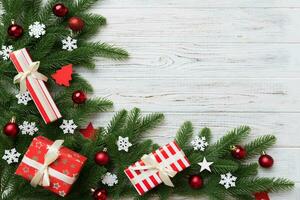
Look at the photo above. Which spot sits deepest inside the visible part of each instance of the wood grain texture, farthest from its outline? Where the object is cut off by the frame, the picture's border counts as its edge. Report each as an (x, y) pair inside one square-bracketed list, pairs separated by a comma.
[(217, 63), (222, 25), (199, 4)]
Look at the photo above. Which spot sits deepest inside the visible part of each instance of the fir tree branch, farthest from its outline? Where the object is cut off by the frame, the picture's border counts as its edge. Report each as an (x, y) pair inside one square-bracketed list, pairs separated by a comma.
[(184, 134), (259, 145)]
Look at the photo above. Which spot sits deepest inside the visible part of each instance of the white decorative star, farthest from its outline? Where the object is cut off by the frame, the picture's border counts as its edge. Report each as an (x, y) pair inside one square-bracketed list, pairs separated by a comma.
[(205, 165)]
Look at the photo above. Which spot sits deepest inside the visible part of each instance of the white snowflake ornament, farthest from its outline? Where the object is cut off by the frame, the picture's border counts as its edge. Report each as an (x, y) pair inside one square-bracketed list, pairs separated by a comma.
[(109, 179), (228, 180), (199, 143), (5, 51), (68, 126), (69, 44), (11, 156), (23, 98), (37, 29), (123, 144), (28, 128)]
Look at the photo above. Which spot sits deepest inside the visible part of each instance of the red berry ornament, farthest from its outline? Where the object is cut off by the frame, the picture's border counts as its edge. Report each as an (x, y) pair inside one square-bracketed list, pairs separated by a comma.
[(60, 10), (266, 161), (100, 194), (238, 152), (195, 181), (15, 31), (79, 97), (11, 129), (102, 158), (76, 23)]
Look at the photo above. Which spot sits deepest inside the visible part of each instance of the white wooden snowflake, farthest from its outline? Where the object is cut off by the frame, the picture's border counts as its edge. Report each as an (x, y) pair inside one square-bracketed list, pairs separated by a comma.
[(68, 126), (199, 143), (228, 180), (62, 193), (69, 44), (23, 98), (37, 29), (11, 156), (123, 144), (28, 128), (109, 179), (5, 51)]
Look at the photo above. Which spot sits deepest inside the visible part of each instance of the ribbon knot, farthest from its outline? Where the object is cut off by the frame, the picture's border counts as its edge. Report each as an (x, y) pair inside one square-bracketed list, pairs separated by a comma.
[(42, 176), (163, 172), (32, 71)]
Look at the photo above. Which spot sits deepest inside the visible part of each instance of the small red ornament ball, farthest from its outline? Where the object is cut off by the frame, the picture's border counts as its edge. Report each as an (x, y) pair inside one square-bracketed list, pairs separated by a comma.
[(195, 181), (11, 129), (60, 10), (76, 23), (266, 161), (15, 31), (102, 158), (262, 196), (100, 194), (238, 152), (79, 97)]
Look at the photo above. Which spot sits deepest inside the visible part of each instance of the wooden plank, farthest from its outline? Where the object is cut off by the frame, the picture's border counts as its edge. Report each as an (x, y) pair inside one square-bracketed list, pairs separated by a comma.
[(197, 3), (242, 25), (196, 60), (283, 125), (290, 195), (200, 95)]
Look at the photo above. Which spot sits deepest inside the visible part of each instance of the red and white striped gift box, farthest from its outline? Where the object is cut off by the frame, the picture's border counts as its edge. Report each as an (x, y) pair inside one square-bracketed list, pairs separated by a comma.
[(36, 88), (169, 156)]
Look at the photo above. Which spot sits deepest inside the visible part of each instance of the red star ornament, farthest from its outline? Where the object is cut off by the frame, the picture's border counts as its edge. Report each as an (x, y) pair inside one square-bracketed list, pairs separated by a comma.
[(89, 132), (63, 76), (262, 196)]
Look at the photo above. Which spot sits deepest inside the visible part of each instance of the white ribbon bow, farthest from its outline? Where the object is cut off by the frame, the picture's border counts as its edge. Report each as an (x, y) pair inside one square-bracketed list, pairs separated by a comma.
[(42, 176), (31, 71), (163, 172)]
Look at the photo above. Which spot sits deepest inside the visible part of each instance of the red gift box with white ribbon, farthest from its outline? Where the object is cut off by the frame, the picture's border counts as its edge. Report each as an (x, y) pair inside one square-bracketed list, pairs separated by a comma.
[(50, 165), (33, 81), (157, 167)]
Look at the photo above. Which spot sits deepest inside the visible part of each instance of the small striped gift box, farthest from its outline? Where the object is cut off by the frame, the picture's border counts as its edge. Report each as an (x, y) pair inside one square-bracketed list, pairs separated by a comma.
[(169, 156)]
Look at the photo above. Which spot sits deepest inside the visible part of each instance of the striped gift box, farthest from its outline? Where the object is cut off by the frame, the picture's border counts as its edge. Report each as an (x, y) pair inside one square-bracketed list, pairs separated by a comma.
[(169, 156), (36, 88)]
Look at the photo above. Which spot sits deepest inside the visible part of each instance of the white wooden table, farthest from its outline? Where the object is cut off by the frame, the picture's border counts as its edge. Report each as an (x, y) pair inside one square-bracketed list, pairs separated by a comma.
[(217, 63)]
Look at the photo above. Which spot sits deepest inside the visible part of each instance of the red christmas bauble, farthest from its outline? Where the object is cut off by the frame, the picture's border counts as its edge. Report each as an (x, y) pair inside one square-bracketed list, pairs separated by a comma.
[(79, 97), (195, 181), (76, 23), (11, 129), (102, 158), (15, 31), (60, 10), (266, 161), (262, 196), (100, 194), (238, 152)]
